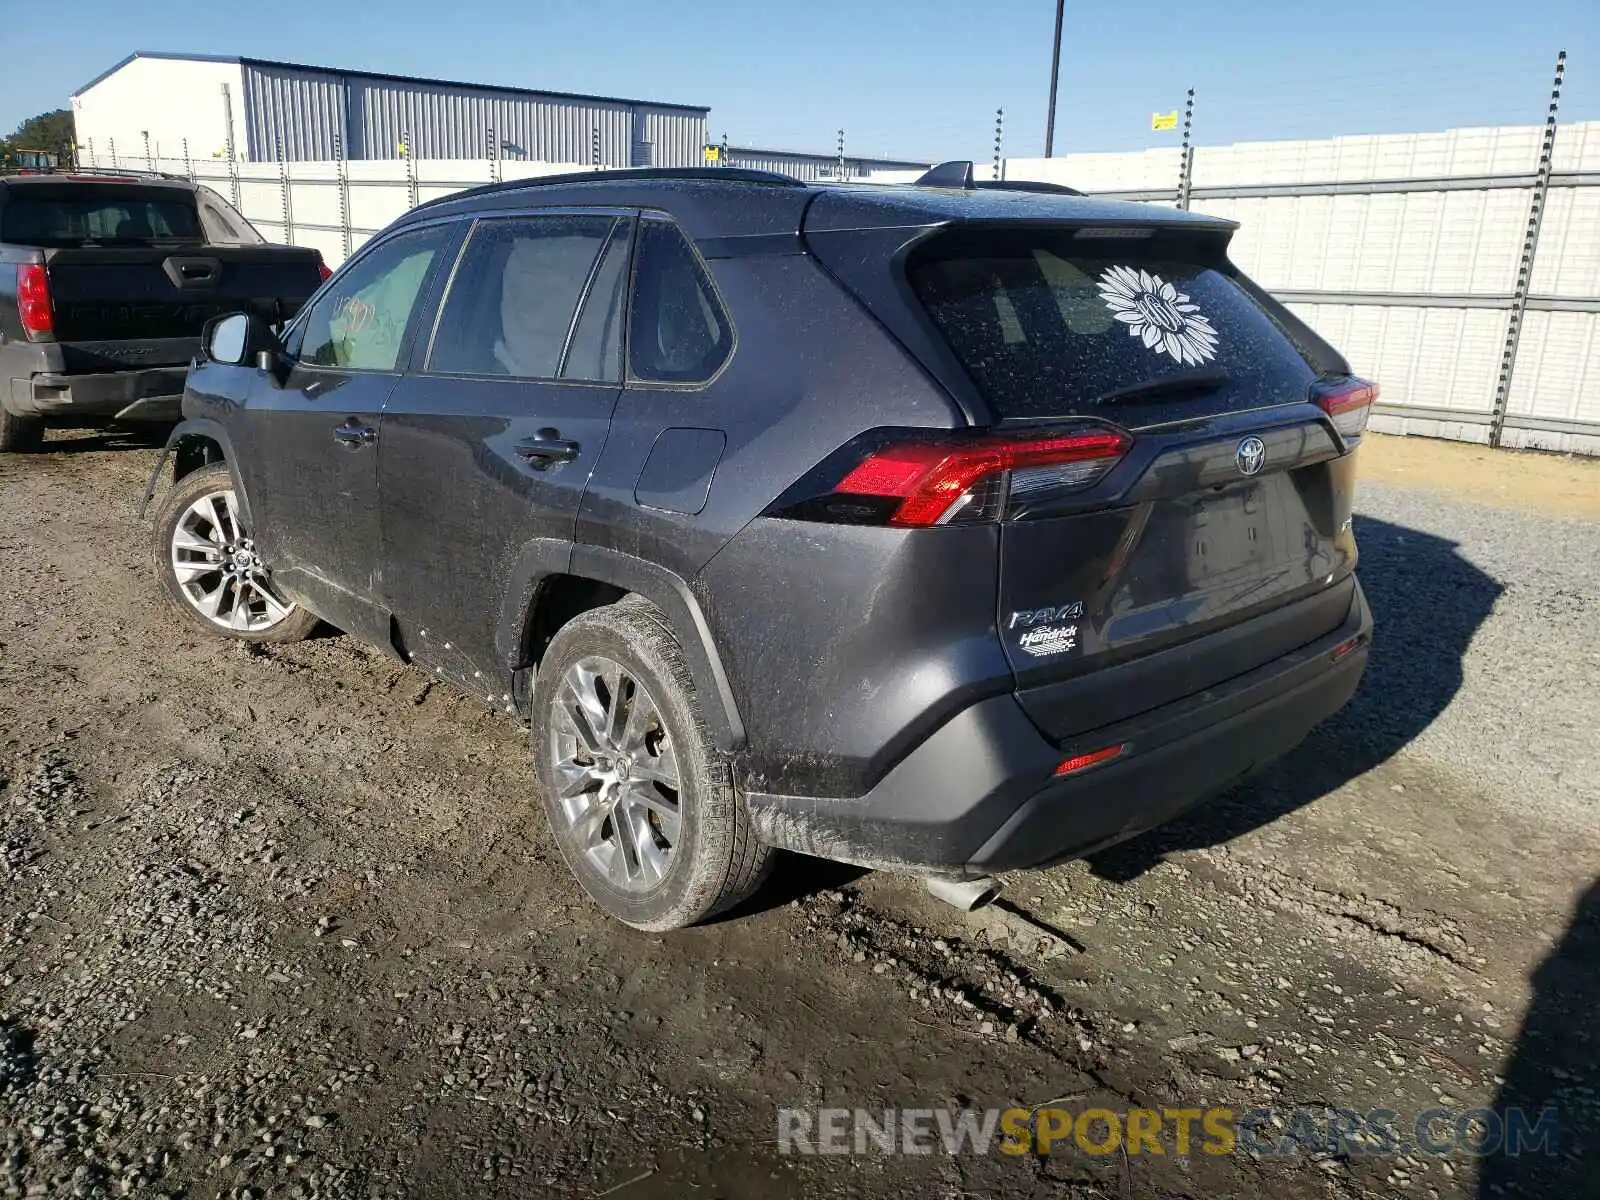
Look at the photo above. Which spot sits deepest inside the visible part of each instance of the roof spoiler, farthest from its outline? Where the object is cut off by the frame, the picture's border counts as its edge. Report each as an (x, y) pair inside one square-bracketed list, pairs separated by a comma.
[(957, 173)]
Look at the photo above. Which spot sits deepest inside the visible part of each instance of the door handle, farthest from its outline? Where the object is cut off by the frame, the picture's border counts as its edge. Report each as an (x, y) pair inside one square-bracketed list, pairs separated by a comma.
[(353, 435), (546, 448)]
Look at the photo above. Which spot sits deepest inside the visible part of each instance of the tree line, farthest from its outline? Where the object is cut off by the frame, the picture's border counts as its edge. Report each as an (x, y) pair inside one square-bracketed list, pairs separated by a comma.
[(49, 133)]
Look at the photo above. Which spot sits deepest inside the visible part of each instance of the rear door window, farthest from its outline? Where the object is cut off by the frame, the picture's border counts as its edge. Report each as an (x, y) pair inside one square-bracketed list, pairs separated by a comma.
[(1048, 324), (516, 290), (678, 332)]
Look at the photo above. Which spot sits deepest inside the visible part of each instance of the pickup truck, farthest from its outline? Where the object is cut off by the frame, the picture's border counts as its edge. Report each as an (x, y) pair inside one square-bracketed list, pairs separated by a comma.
[(106, 282)]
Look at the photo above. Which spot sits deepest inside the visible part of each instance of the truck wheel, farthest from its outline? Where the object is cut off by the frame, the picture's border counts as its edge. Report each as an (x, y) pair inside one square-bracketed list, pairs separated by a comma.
[(19, 433), (209, 568), (641, 804)]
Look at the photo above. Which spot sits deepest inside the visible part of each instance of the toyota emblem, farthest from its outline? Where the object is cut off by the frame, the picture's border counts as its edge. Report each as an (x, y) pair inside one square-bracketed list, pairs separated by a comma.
[(1251, 456)]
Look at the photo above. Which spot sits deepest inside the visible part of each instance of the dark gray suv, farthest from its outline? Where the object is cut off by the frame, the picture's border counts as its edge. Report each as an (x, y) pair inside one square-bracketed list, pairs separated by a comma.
[(941, 529)]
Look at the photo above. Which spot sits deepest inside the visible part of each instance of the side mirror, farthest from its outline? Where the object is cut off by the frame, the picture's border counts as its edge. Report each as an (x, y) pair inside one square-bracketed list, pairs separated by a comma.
[(240, 338)]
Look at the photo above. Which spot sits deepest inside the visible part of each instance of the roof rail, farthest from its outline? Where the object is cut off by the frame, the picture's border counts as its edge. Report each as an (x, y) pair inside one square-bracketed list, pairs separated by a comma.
[(622, 174)]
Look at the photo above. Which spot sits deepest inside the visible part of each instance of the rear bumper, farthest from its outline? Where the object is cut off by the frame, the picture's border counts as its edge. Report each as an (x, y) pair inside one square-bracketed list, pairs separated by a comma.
[(978, 795), (151, 394)]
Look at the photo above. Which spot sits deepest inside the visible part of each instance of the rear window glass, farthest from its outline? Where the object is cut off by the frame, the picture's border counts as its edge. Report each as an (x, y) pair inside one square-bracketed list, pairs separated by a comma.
[(98, 219), (1051, 325)]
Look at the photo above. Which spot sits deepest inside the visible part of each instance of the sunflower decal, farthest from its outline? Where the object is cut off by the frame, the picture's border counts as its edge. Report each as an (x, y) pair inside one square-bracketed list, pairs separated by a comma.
[(1159, 314)]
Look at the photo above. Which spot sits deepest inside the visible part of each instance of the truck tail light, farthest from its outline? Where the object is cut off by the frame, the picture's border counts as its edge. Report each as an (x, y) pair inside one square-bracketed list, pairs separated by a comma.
[(1348, 403), (324, 272), (33, 299)]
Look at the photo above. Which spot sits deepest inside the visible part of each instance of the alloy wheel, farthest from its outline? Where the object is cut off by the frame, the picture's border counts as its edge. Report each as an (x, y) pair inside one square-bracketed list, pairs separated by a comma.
[(616, 774), (218, 569)]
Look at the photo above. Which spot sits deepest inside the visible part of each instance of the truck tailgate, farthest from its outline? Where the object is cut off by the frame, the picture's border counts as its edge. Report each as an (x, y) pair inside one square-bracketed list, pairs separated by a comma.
[(153, 292)]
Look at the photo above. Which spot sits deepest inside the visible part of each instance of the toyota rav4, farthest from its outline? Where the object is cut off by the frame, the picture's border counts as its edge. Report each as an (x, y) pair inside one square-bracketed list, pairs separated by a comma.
[(946, 529)]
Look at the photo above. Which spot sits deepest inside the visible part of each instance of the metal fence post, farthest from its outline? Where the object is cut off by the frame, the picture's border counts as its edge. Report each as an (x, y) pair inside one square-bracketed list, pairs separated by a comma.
[(1186, 154), (112, 143), (228, 145), (283, 188), (345, 232), (494, 156), (188, 163), (594, 149), (841, 154), (88, 144), (411, 169), (149, 162), (1530, 250), (999, 140)]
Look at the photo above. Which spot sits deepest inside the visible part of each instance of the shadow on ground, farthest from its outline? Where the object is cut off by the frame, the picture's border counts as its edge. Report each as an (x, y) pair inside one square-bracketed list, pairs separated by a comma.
[(1554, 1068), (794, 877), (116, 437), (1427, 603)]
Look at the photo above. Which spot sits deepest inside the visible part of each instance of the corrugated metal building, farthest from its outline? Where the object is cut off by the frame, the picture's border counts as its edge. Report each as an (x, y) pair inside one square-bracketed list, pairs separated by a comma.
[(265, 111), (804, 165)]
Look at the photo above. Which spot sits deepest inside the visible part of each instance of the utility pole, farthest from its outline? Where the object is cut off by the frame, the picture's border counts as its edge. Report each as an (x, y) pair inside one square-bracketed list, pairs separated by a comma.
[(1055, 76)]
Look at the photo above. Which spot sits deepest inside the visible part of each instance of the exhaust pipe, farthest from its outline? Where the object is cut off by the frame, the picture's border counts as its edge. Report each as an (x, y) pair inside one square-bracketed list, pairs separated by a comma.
[(968, 895)]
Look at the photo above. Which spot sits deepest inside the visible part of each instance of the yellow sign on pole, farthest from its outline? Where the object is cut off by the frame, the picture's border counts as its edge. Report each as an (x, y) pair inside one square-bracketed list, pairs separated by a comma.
[(1161, 122), (713, 154)]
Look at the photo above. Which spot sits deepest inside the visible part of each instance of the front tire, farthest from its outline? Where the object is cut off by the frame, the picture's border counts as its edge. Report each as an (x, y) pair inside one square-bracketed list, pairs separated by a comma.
[(209, 568), (19, 433), (642, 806)]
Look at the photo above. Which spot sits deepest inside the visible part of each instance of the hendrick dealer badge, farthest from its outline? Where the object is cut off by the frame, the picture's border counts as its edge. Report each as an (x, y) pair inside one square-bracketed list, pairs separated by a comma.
[(1044, 640)]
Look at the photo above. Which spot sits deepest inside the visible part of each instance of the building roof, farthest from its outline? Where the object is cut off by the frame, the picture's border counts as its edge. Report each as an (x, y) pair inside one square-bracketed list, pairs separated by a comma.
[(349, 73)]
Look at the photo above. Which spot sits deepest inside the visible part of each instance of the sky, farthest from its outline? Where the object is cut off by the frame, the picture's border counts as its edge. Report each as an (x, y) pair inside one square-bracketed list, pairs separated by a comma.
[(914, 80)]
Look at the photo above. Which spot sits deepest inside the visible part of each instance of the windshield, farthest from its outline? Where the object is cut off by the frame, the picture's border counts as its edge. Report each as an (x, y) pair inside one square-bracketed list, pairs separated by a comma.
[(1048, 324), (58, 218)]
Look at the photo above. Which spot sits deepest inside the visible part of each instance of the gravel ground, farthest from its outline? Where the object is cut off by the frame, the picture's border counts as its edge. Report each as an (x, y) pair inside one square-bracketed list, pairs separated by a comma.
[(286, 922)]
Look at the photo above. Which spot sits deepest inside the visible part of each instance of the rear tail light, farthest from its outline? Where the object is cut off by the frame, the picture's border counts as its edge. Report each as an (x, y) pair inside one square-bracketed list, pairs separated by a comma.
[(33, 299), (914, 484), (324, 272), (1348, 402)]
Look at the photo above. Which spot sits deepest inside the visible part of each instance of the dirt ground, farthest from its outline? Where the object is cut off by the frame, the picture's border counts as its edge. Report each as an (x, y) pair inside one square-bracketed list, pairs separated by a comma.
[(1568, 485), (287, 922)]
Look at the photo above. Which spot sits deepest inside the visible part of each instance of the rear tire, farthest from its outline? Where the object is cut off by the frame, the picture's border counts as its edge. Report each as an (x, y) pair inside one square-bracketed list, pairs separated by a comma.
[(655, 855), (208, 569), (19, 434)]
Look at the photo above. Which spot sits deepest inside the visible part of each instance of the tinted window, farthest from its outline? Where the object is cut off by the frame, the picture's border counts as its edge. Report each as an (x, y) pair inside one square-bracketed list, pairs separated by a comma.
[(596, 350), (94, 214), (224, 224), (678, 333), (361, 320), (1046, 324), (515, 291)]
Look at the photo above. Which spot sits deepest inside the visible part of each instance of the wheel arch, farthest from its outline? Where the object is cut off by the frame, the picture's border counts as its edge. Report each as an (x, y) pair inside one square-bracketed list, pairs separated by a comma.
[(554, 581), (193, 444)]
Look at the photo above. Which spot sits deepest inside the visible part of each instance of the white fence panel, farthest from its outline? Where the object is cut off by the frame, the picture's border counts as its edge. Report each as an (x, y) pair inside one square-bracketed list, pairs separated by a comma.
[(1403, 250)]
